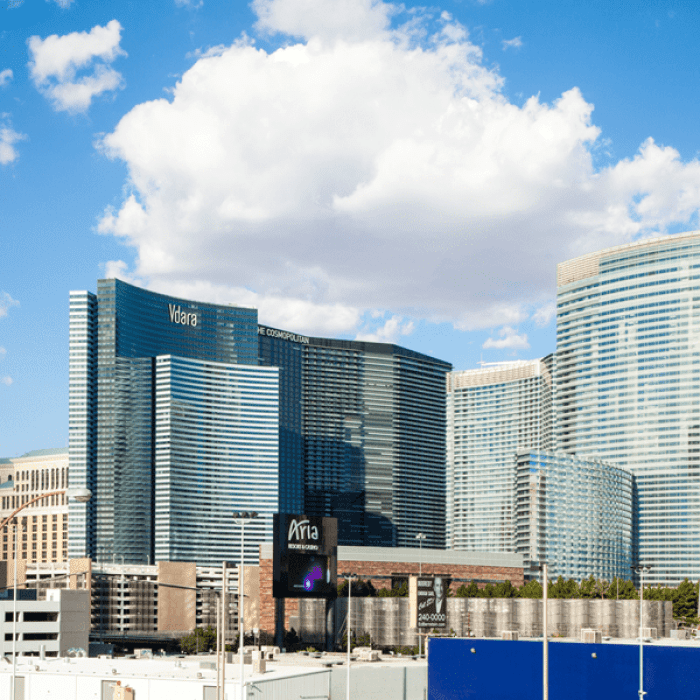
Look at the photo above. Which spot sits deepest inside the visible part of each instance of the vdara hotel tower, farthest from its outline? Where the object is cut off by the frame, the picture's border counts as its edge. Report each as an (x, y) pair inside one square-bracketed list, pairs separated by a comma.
[(172, 425), (628, 385), (182, 412)]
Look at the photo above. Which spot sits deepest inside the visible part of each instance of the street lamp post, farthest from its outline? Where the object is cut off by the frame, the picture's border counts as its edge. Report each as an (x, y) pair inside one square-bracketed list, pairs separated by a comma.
[(349, 577), (241, 517), (641, 569), (545, 633), (80, 495), (420, 537)]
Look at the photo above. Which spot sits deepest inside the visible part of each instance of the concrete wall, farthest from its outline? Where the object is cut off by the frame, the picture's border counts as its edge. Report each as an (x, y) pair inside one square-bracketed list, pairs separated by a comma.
[(378, 682), (177, 608), (387, 620)]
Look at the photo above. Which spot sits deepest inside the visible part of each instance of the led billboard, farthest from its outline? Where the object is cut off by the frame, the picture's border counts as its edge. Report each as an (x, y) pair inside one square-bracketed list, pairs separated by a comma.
[(305, 556)]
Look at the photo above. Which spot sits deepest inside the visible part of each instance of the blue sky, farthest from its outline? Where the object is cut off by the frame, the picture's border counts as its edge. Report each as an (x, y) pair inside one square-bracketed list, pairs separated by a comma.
[(352, 168)]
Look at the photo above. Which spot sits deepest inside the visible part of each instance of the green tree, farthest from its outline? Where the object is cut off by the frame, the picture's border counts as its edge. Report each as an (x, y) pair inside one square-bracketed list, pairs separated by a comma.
[(399, 590), (505, 589), (360, 589), (685, 601), (470, 591), (532, 589), (589, 588), (199, 641), (563, 589)]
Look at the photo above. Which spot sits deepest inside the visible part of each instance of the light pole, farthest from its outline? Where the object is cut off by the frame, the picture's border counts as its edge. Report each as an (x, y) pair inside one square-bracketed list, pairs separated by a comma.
[(420, 537), (641, 569), (80, 495), (545, 638), (241, 517), (349, 578)]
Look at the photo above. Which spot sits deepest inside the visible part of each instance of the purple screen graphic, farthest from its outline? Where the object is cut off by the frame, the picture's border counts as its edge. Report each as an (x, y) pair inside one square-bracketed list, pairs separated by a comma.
[(309, 579)]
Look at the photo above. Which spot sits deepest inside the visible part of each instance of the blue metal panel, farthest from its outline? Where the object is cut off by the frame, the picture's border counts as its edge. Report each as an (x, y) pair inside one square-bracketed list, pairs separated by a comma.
[(502, 670)]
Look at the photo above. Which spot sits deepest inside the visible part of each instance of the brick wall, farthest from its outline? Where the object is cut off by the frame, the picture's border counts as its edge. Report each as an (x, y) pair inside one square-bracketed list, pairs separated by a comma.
[(380, 573)]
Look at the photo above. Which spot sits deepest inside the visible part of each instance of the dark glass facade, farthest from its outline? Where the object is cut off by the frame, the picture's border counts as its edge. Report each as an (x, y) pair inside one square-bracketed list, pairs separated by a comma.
[(363, 426), (120, 332)]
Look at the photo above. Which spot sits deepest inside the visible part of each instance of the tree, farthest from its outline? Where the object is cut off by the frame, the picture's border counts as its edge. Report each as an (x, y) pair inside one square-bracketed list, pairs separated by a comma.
[(360, 589), (199, 641), (685, 602), (563, 589), (532, 589), (470, 591), (400, 590), (505, 589)]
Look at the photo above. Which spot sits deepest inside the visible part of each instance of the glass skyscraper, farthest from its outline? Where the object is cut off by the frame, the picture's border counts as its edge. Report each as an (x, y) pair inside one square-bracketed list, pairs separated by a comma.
[(116, 337), (363, 426), (573, 514), (628, 385), (492, 413), (216, 449)]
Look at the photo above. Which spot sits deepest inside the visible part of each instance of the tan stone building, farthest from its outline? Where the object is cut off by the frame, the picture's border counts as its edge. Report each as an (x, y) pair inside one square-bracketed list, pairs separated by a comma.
[(43, 533)]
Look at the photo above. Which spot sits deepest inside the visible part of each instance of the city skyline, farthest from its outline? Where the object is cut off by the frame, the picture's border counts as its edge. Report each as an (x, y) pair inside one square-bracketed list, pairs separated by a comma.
[(443, 161)]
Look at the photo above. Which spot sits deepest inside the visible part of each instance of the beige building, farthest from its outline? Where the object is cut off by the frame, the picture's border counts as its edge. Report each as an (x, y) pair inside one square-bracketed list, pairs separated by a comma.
[(43, 534)]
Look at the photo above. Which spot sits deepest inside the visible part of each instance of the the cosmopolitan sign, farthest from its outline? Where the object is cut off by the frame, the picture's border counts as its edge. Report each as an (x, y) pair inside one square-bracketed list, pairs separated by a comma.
[(284, 335), (304, 556), (185, 318)]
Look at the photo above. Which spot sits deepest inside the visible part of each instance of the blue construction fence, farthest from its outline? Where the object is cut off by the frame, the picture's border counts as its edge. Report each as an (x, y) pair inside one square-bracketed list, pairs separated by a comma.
[(493, 669)]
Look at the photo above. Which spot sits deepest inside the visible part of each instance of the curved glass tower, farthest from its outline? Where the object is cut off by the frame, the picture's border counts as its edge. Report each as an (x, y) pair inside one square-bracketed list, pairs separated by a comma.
[(116, 337), (574, 514), (627, 386)]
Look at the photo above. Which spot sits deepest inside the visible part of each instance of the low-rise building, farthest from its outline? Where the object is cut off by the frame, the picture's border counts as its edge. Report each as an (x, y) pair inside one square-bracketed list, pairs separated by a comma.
[(50, 626)]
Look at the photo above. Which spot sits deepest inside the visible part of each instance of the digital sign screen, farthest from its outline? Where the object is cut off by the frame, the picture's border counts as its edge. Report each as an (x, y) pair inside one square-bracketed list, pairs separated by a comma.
[(304, 556)]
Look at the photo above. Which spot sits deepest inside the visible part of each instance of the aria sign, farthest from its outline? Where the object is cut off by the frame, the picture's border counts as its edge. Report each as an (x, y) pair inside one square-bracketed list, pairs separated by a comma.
[(304, 556), (177, 315)]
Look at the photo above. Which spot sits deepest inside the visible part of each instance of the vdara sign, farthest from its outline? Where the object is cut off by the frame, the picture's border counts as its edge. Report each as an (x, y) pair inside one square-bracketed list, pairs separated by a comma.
[(177, 315), (284, 335)]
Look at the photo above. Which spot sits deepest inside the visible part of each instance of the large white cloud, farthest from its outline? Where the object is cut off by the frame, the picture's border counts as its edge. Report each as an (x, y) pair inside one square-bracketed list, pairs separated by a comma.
[(57, 60), (371, 166)]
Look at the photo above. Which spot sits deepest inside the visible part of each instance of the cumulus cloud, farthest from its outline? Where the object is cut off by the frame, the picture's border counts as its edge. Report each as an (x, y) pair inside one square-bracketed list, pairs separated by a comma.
[(8, 153), (390, 332), (64, 4), (514, 43), (508, 340), (374, 163), (5, 77), (544, 315), (6, 303), (6, 380), (71, 70)]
